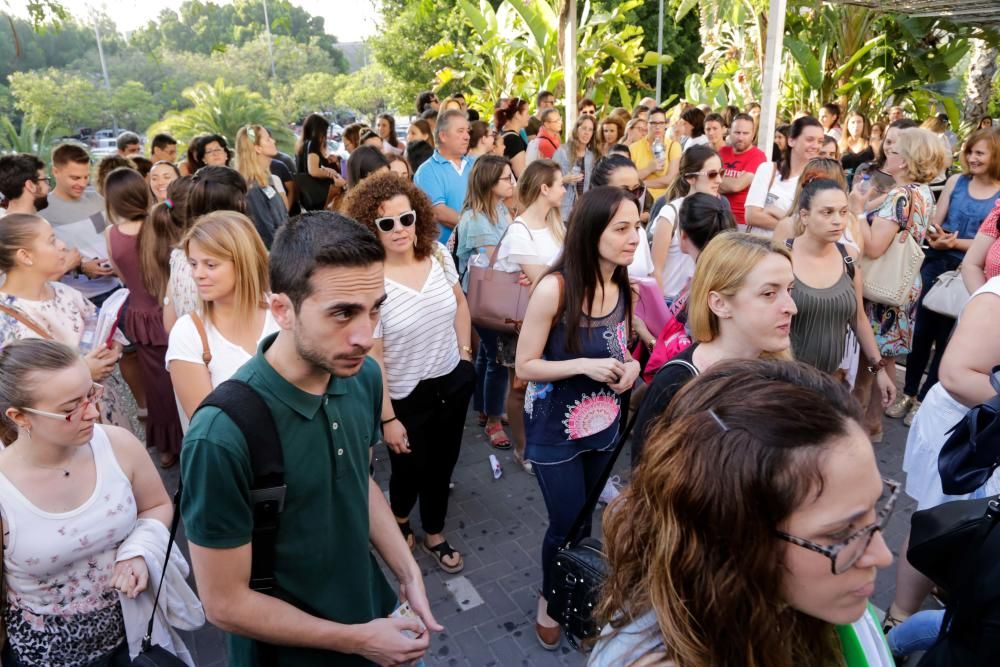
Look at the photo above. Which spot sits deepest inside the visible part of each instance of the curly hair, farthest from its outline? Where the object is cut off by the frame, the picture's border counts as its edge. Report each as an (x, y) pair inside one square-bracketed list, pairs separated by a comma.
[(363, 201), (923, 152)]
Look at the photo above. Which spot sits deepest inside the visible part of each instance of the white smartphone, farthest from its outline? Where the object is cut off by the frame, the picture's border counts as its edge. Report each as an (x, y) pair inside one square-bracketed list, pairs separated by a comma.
[(405, 611)]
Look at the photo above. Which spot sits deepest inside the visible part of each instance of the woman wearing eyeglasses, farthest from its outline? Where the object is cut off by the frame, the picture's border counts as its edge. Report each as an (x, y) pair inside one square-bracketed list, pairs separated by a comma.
[(828, 292), (423, 344), (72, 492), (34, 304), (700, 171), (698, 575)]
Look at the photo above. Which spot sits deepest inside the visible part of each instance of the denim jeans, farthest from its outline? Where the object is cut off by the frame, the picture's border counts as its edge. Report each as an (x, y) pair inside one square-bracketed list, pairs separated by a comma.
[(929, 329), (490, 396), (917, 633), (564, 488)]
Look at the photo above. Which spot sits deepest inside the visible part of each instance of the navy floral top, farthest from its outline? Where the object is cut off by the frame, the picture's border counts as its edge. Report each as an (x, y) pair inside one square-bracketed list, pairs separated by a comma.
[(577, 413)]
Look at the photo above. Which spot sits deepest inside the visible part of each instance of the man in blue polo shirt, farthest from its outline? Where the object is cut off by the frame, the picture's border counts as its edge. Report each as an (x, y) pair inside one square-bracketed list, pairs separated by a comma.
[(445, 176)]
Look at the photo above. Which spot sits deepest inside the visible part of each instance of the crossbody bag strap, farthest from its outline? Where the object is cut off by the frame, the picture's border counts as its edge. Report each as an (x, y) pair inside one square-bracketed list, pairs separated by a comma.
[(147, 640), (496, 248), (848, 260), (26, 321), (595, 493), (206, 351)]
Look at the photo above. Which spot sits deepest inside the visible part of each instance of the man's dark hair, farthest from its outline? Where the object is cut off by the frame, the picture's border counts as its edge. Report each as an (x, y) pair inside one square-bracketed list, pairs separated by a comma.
[(161, 141), (15, 170), (429, 114), (656, 110), (66, 153), (424, 100), (216, 188), (126, 139), (318, 240), (585, 102), (717, 117), (541, 96)]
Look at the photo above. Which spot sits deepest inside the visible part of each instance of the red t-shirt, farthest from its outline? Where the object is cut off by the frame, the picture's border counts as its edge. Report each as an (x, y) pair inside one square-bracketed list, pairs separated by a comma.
[(989, 228), (734, 163)]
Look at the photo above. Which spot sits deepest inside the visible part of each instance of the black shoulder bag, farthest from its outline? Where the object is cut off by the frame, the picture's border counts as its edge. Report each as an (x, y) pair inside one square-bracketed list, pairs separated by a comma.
[(972, 451), (579, 567)]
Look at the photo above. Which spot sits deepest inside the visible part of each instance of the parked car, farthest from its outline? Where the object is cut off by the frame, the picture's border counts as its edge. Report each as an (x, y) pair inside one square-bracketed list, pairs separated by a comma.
[(104, 147)]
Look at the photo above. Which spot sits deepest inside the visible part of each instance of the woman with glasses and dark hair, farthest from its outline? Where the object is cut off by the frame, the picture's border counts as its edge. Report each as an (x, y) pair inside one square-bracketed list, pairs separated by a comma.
[(77, 498), (206, 150), (484, 220), (573, 351), (423, 344), (701, 171), (511, 116), (621, 172), (698, 575)]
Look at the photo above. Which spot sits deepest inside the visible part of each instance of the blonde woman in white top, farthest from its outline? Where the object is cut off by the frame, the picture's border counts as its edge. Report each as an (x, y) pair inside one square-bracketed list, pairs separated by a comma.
[(423, 344), (229, 265), (533, 242)]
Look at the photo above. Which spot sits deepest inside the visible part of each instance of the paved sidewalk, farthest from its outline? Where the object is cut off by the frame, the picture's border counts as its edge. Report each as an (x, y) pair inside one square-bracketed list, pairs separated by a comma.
[(498, 525)]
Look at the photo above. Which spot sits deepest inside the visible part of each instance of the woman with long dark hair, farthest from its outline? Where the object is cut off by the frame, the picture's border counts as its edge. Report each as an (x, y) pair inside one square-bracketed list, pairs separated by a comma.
[(573, 351), (511, 116), (386, 128), (751, 533), (129, 239), (313, 158)]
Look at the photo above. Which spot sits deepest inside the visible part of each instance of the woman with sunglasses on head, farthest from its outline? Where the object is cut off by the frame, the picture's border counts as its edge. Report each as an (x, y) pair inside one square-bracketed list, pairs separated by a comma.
[(72, 492), (533, 243), (266, 199), (423, 344), (132, 246), (576, 158), (161, 175), (484, 220), (700, 576), (229, 265), (34, 304), (621, 172), (828, 287), (573, 351), (700, 171)]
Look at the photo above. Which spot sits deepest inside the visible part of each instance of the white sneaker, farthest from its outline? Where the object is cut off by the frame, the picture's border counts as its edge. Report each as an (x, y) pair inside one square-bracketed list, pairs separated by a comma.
[(612, 489)]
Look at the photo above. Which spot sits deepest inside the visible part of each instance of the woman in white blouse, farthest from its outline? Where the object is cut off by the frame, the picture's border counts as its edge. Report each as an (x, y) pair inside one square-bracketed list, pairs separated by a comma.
[(229, 265), (423, 344)]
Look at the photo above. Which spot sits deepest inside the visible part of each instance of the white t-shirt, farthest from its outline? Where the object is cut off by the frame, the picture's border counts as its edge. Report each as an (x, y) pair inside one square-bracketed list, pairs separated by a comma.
[(418, 328), (781, 192), (679, 267), (227, 357), (696, 141), (522, 246)]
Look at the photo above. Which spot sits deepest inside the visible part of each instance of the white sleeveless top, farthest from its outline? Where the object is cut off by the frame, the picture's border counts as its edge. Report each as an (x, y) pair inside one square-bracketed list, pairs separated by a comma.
[(61, 608)]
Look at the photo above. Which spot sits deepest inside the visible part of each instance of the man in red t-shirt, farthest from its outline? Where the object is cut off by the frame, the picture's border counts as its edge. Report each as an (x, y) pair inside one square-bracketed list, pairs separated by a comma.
[(740, 160)]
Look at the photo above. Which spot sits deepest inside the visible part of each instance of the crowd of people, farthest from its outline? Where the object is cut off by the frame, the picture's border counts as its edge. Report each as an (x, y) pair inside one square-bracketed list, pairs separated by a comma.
[(285, 314)]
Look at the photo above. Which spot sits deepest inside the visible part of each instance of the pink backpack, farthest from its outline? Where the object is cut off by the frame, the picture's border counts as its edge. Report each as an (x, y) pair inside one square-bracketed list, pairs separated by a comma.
[(673, 340)]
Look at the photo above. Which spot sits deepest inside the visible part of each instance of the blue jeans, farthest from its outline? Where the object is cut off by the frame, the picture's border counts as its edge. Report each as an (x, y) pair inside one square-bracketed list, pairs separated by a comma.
[(917, 633), (564, 488), (490, 396)]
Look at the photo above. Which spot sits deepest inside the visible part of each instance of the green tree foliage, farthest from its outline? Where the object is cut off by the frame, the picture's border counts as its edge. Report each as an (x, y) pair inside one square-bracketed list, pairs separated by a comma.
[(365, 91), (206, 27), (222, 108), (317, 91), (132, 106), (55, 45), (57, 99)]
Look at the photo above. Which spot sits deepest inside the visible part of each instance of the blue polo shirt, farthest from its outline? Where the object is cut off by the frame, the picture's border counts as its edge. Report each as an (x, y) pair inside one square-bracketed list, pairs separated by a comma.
[(444, 183)]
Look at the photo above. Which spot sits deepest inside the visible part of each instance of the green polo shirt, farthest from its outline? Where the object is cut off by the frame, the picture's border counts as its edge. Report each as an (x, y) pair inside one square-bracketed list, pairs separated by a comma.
[(323, 555)]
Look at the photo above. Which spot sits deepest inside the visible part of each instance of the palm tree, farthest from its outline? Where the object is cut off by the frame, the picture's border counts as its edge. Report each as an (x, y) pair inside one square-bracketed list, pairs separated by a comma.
[(28, 139)]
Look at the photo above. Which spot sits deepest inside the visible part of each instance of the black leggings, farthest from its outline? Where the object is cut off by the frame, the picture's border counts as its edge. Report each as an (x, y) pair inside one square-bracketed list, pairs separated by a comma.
[(434, 416)]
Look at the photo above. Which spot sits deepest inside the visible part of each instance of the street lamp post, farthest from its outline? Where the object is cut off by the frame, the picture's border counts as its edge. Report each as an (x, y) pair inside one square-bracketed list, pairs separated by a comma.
[(270, 51)]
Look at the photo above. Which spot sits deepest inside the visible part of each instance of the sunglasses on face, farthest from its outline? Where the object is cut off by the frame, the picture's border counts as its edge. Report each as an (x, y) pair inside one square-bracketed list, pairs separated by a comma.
[(710, 175), (388, 223)]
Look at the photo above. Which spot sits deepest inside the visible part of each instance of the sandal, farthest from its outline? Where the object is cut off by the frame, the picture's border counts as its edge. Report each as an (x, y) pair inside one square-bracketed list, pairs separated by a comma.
[(407, 532), (498, 437), (482, 419), (889, 621), (442, 551)]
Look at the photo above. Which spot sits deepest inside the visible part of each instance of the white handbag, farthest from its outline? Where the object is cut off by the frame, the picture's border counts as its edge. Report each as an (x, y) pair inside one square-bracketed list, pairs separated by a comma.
[(947, 296)]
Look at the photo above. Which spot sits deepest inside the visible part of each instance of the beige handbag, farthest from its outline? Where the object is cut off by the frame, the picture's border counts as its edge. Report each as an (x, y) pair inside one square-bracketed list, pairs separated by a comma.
[(497, 299), (888, 279)]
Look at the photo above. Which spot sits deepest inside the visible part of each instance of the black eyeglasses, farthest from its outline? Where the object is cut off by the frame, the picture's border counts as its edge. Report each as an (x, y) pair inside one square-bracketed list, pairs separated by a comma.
[(638, 192), (46, 179), (843, 555), (388, 223)]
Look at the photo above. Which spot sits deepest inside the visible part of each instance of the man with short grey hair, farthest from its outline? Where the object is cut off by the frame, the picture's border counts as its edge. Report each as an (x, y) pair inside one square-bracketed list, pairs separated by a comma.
[(129, 144), (444, 177)]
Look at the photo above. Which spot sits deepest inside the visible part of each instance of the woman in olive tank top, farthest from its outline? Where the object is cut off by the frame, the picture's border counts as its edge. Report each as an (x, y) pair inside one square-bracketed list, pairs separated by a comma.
[(827, 289)]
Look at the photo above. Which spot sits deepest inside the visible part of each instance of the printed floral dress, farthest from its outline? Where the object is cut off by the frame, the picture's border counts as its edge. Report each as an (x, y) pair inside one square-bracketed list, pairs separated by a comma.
[(565, 417), (893, 325)]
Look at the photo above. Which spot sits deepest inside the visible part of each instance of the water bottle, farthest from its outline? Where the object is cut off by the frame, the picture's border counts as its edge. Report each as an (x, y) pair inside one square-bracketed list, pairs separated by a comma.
[(865, 186), (89, 331), (659, 152), (576, 171)]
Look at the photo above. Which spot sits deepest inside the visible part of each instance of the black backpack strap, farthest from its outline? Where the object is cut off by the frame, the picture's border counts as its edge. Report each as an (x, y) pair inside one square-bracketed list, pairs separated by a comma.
[(848, 260), (247, 409)]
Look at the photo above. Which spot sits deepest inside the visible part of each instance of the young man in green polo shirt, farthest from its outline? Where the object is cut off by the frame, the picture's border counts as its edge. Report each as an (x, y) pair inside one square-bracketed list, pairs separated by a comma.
[(325, 395)]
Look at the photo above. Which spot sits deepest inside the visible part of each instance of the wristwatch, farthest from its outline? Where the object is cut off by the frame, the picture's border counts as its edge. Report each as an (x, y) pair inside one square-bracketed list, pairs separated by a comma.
[(875, 366)]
